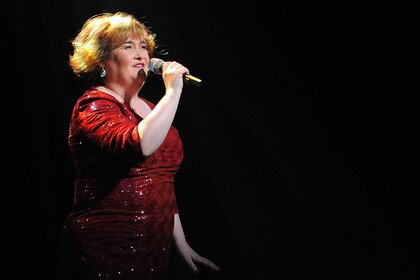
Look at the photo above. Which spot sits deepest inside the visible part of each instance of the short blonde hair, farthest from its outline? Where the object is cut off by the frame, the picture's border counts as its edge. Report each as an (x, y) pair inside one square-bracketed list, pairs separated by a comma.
[(101, 34)]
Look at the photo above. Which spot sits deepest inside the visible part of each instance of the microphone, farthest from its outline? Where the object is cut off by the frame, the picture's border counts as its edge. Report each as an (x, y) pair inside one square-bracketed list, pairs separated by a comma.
[(156, 64)]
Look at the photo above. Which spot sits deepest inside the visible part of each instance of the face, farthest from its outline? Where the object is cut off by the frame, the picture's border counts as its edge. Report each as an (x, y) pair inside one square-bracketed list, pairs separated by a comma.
[(128, 63)]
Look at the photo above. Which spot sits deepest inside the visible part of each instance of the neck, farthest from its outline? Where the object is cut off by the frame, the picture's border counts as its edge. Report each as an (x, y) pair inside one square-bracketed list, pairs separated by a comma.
[(123, 94), (110, 91)]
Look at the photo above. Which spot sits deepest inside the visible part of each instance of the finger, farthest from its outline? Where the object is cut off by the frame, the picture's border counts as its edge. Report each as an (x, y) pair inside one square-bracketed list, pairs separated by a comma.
[(208, 263), (193, 266)]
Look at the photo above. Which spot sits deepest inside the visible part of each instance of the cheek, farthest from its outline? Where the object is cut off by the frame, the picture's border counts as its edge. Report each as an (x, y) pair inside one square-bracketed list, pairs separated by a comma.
[(121, 57)]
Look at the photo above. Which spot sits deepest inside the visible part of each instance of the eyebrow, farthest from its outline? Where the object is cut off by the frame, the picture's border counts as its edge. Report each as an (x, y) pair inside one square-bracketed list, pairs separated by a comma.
[(132, 42)]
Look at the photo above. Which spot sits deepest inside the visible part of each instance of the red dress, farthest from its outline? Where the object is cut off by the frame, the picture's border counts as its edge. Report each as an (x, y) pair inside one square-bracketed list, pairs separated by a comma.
[(124, 203)]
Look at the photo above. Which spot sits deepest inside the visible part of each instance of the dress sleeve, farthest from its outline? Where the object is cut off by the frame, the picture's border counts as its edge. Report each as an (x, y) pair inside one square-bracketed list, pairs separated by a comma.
[(109, 126)]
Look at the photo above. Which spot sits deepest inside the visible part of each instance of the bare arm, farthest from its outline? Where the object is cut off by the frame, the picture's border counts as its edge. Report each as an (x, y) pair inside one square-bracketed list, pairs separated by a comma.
[(187, 253), (154, 127)]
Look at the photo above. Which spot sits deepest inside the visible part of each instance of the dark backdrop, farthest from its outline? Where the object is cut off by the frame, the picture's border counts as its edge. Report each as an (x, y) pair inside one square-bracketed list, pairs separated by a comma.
[(299, 147)]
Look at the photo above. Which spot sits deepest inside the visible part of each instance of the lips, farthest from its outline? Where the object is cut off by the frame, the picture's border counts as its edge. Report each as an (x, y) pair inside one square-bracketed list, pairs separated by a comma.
[(139, 65)]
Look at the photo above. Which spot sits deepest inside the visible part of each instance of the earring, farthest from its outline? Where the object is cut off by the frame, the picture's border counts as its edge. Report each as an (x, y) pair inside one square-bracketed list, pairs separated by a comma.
[(103, 72)]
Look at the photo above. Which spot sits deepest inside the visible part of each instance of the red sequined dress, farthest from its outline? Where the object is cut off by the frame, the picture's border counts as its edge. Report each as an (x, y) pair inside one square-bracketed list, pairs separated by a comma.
[(121, 224)]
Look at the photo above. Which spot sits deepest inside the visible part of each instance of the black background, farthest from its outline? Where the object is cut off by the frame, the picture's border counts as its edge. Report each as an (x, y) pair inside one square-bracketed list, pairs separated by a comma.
[(300, 146)]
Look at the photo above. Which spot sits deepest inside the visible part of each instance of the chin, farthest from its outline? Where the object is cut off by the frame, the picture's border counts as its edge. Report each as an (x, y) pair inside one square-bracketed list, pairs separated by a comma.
[(142, 74), (141, 77)]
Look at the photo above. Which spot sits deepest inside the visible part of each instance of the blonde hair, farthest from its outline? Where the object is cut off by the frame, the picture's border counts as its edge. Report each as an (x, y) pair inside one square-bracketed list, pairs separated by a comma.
[(101, 34)]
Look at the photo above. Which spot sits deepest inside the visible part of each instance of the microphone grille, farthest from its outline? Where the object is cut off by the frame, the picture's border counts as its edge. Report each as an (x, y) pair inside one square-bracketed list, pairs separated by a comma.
[(155, 65)]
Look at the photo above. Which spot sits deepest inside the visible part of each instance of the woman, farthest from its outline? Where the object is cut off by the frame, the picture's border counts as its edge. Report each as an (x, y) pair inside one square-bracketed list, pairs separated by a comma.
[(126, 154)]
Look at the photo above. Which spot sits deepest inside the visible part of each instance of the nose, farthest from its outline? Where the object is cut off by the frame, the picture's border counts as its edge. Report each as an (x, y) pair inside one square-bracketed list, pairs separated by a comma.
[(140, 53)]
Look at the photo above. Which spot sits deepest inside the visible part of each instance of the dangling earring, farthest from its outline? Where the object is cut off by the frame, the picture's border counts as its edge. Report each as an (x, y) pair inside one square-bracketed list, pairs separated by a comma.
[(103, 72)]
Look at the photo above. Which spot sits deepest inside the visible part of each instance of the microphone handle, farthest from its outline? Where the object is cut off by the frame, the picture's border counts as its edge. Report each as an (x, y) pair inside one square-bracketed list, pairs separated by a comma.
[(192, 80)]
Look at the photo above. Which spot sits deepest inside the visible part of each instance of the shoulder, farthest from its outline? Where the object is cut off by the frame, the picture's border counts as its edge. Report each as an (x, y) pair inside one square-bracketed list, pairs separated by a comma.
[(95, 94), (93, 100)]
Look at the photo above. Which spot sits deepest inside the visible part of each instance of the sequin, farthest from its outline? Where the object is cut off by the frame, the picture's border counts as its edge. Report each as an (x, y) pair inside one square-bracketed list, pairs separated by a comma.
[(122, 220)]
